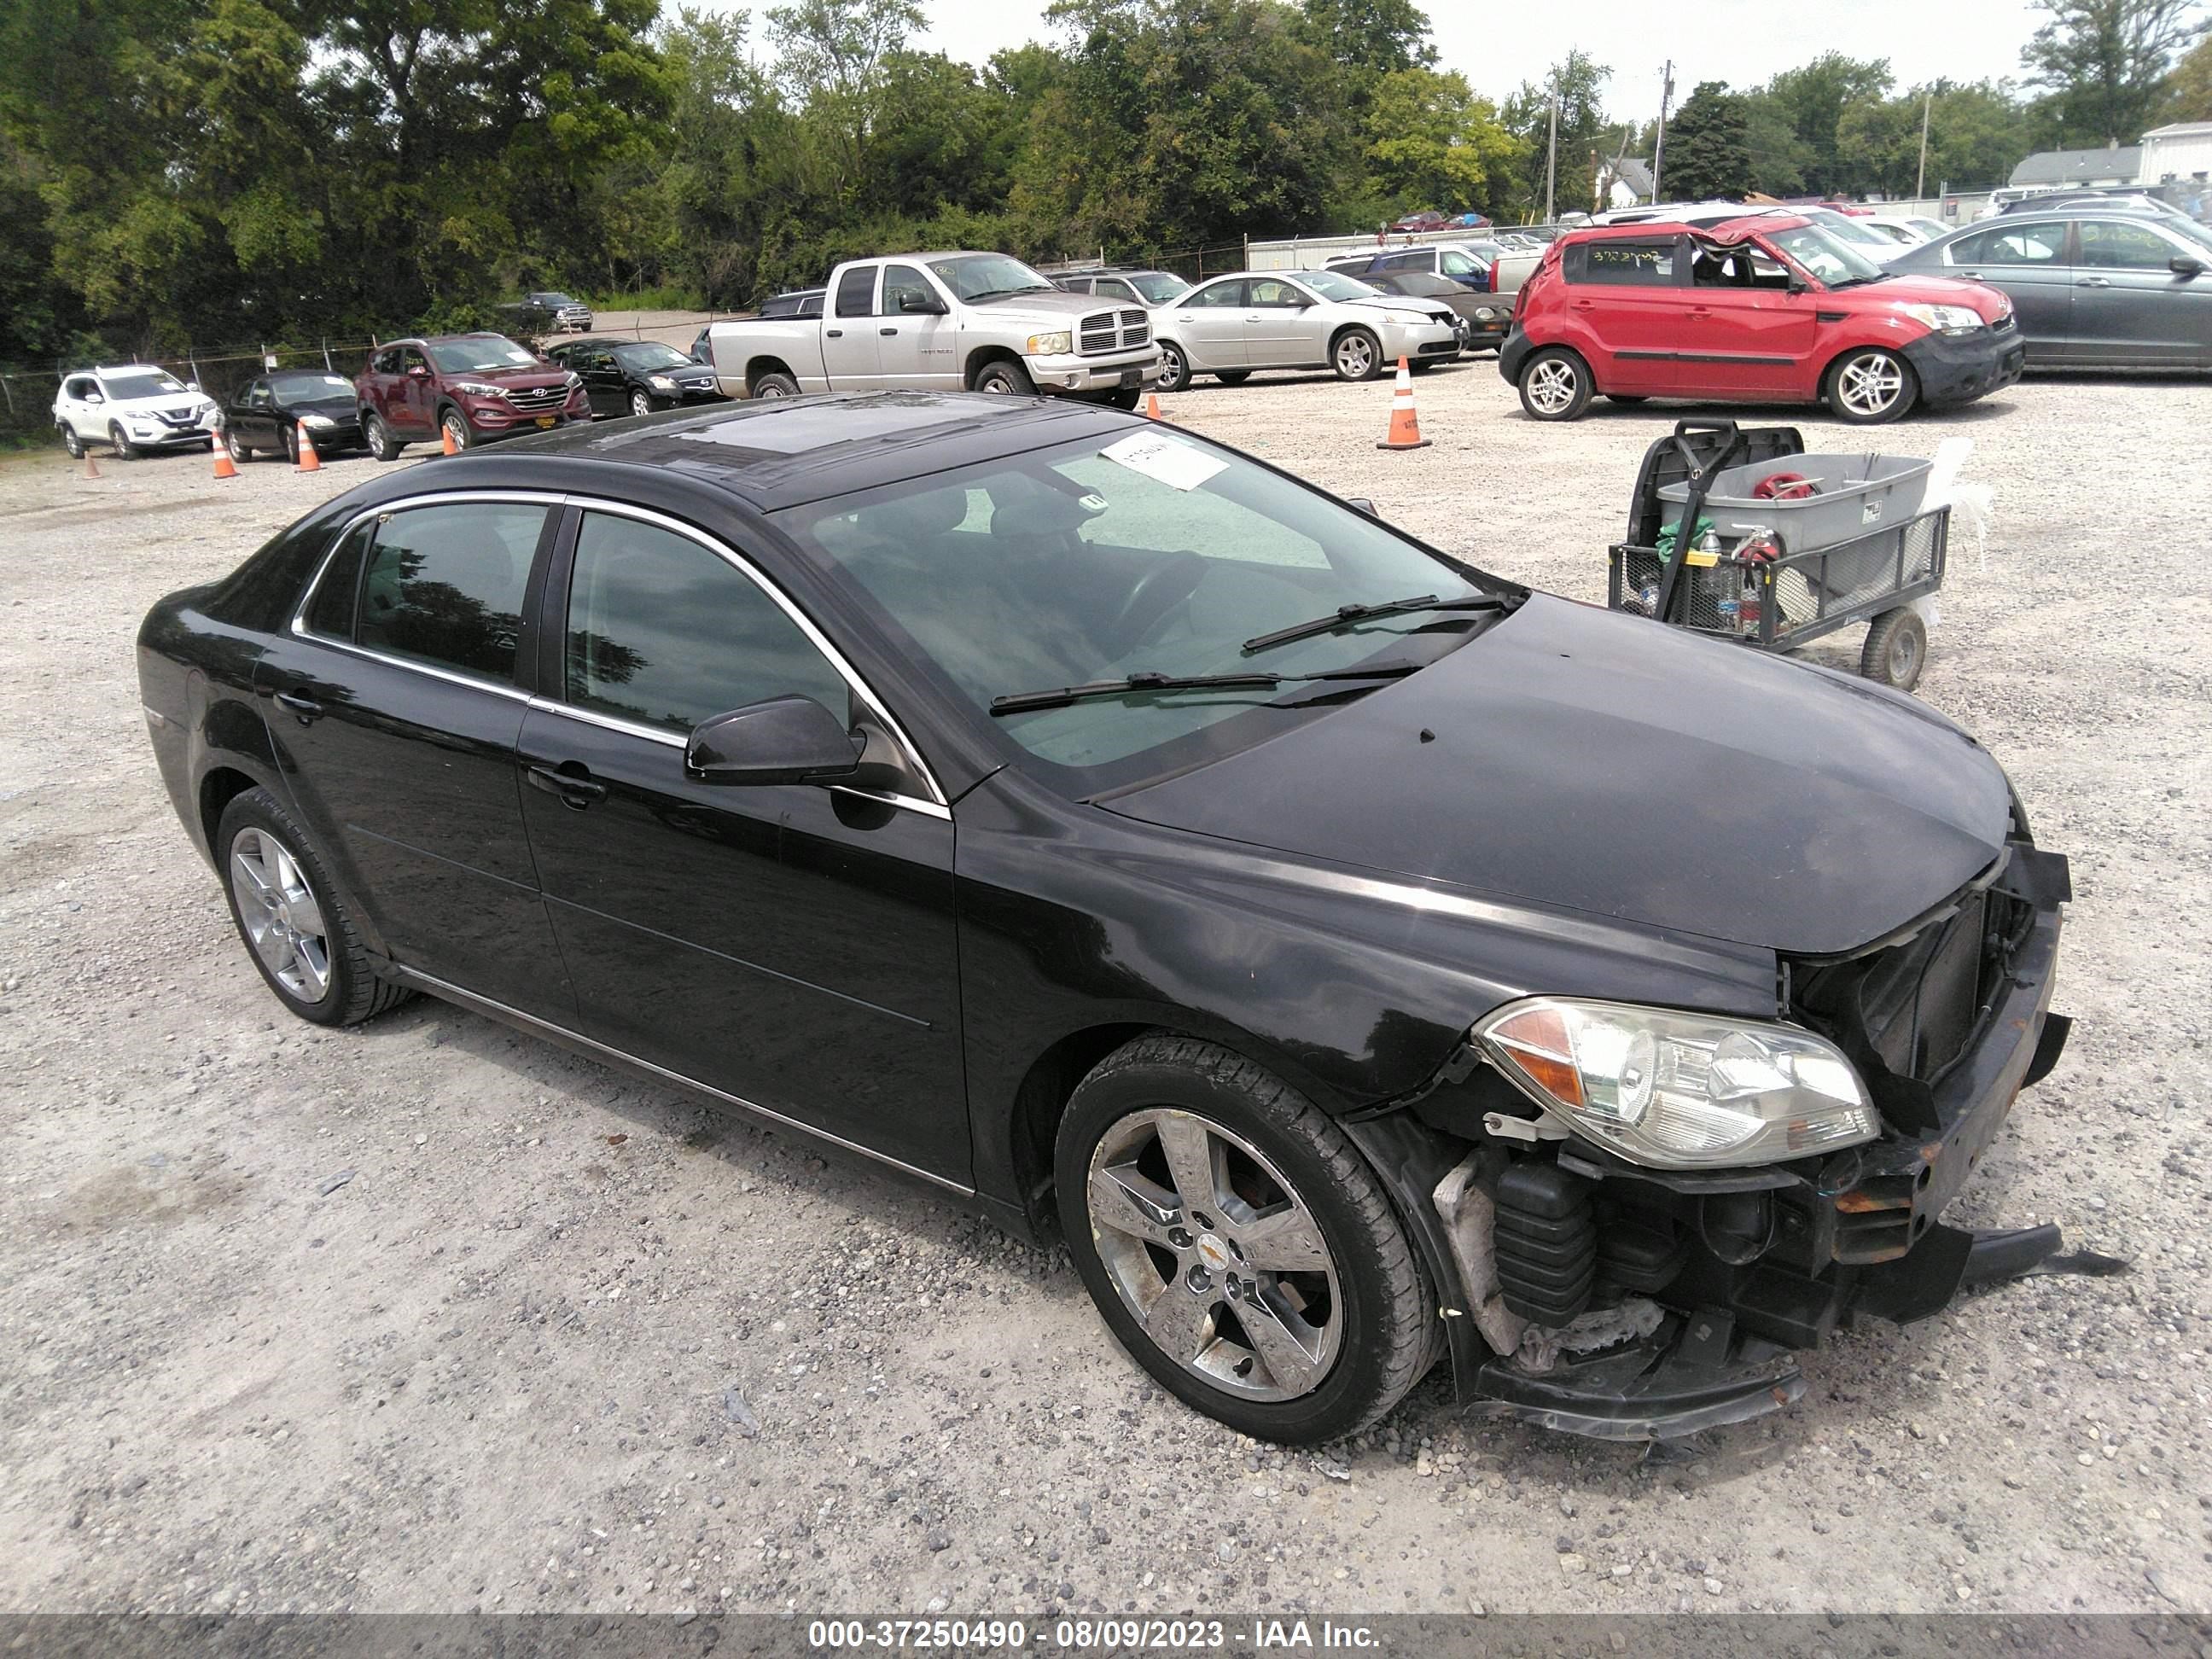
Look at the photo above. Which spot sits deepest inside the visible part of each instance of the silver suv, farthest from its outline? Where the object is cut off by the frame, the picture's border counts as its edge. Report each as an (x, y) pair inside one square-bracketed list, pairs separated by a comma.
[(133, 409)]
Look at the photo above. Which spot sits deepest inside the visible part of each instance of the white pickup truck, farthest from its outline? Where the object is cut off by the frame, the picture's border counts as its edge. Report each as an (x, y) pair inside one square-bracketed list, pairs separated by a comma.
[(943, 322)]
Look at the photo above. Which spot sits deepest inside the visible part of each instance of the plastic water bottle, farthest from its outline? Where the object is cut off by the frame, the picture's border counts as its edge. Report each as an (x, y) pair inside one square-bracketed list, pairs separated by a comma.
[(1730, 611), (1650, 594)]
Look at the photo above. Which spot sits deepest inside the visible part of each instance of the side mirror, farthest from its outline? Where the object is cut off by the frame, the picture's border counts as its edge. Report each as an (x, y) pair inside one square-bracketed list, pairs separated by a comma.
[(921, 305), (191, 385), (783, 740), (2182, 265), (95, 397), (417, 372), (1798, 284), (1361, 504)]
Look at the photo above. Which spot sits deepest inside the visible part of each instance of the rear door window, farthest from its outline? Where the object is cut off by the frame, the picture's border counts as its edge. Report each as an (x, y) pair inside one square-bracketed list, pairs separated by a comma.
[(1217, 295), (443, 584), (2039, 243), (856, 292), (1626, 264)]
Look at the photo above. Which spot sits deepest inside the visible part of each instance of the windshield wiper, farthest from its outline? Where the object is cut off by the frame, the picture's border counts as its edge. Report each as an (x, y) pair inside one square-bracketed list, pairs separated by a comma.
[(1002, 293), (1345, 615), (1022, 702)]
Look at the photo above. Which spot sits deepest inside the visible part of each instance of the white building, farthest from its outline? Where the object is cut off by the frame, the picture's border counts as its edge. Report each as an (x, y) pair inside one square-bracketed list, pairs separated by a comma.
[(2177, 154)]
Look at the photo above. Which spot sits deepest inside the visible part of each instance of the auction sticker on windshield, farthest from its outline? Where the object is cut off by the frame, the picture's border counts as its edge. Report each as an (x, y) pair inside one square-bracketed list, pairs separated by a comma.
[(1170, 460)]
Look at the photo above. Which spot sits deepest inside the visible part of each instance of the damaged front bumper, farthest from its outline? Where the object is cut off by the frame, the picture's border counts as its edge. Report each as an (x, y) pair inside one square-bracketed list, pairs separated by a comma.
[(1757, 1263)]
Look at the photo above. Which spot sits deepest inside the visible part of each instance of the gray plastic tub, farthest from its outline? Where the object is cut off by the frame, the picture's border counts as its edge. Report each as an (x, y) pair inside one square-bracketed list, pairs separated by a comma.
[(1859, 494)]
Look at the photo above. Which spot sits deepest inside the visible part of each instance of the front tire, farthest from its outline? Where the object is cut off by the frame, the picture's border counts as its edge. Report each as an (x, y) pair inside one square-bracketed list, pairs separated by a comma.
[(377, 436), (1002, 379), (639, 405), (1896, 649), (1238, 1245), (451, 425), (1174, 368), (1871, 386), (121, 445), (298, 932), (234, 447), (70, 441), (1357, 356), (1555, 385)]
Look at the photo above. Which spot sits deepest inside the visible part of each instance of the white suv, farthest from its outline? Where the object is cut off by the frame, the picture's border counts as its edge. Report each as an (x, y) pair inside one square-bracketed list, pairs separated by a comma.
[(132, 409)]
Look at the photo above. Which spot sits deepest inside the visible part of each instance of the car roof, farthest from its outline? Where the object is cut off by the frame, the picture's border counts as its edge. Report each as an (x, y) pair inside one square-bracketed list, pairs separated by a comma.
[(1726, 230), (786, 452)]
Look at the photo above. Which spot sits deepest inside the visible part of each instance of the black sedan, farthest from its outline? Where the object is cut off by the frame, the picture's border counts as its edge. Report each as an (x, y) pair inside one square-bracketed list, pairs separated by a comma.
[(635, 377), (264, 419), (1487, 317), (2093, 288), (1357, 958)]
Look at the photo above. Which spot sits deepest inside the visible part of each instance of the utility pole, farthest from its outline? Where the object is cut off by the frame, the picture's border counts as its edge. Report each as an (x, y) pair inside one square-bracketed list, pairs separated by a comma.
[(1552, 159), (1920, 183), (1659, 145)]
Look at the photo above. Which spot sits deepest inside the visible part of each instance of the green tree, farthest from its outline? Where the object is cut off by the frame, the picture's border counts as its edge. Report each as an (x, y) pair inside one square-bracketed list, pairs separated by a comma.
[(2103, 64), (1579, 82), (1708, 146), (1372, 37), (1431, 143), (2189, 88), (1812, 101)]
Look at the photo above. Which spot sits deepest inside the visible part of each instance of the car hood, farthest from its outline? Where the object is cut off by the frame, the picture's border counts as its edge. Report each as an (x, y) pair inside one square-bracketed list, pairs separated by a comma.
[(1582, 758), (540, 375), (338, 406), (1056, 306), (1907, 288), (1427, 307)]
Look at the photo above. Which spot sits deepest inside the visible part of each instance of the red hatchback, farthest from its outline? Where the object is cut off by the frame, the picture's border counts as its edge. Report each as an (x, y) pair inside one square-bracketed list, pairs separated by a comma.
[(471, 387), (1763, 309)]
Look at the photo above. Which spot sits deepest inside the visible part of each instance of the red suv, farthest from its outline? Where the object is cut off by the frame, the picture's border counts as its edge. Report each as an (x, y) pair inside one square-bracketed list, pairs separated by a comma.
[(1764, 309), (475, 387)]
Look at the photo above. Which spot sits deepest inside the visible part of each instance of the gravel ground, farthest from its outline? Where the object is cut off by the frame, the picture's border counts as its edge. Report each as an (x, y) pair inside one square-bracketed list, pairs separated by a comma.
[(562, 1341)]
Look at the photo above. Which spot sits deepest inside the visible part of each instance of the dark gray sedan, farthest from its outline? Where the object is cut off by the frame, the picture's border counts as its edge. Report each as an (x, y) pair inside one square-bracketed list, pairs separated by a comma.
[(2098, 289)]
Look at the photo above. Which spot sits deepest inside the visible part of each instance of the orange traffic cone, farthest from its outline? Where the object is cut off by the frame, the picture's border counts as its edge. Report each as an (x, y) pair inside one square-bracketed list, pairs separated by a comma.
[(309, 461), (446, 435), (224, 466), (1405, 425), (91, 466), (1152, 407)]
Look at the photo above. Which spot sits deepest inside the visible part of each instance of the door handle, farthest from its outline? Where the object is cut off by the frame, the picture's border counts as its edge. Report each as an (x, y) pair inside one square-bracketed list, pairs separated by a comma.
[(2094, 281), (886, 331), (834, 333), (574, 793), (305, 708)]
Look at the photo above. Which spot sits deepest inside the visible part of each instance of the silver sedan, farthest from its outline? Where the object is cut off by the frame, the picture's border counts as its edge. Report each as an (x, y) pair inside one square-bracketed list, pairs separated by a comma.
[(1256, 319)]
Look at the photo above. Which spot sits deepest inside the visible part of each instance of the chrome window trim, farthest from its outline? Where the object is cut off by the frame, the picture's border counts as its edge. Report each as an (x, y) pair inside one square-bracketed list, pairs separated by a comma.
[(936, 805), (820, 641)]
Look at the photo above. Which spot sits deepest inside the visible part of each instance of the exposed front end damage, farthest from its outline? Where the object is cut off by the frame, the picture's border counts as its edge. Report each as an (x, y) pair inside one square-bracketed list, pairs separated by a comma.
[(1589, 1293)]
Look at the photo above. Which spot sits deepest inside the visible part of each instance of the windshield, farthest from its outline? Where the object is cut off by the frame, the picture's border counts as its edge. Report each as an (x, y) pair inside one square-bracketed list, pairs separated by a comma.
[(1158, 288), (144, 383), (1819, 255), (487, 351), (311, 385), (987, 276), (1336, 285), (1150, 553), (649, 355), (1842, 227), (555, 299), (2190, 228)]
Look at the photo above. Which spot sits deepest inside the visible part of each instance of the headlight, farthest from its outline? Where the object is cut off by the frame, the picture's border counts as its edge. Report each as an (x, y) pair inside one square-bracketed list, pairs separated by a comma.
[(1944, 320), (1485, 313), (574, 381), (479, 389), (662, 383), (1406, 319), (318, 422), (1051, 345), (1681, 1090)]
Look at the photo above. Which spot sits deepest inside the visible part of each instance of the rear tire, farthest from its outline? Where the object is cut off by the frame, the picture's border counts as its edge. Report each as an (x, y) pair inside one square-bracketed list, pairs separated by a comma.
[(1555, 385), (1870, 385), (1002, 379), (297, 931), (774, 385), (1276, 1216), (377, 436), (1896, 649)]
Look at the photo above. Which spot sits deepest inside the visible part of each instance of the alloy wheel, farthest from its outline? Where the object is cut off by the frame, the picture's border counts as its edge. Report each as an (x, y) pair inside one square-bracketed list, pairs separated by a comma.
[(1215, 1255), (1551, 386), (457, 429), (1355, 357), (237, 450), (283, 918), (1174, 370), (639, 404), (1870, 384)]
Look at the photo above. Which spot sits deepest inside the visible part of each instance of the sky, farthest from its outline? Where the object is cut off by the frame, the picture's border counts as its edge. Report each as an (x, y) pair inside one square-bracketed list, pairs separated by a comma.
[(1497, 46)]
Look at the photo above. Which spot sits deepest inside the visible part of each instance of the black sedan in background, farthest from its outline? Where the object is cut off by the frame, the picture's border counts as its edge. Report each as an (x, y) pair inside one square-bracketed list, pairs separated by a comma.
[(264, 419), (1485, 317), (1122, 836), (2092, 288), (635, 377)]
